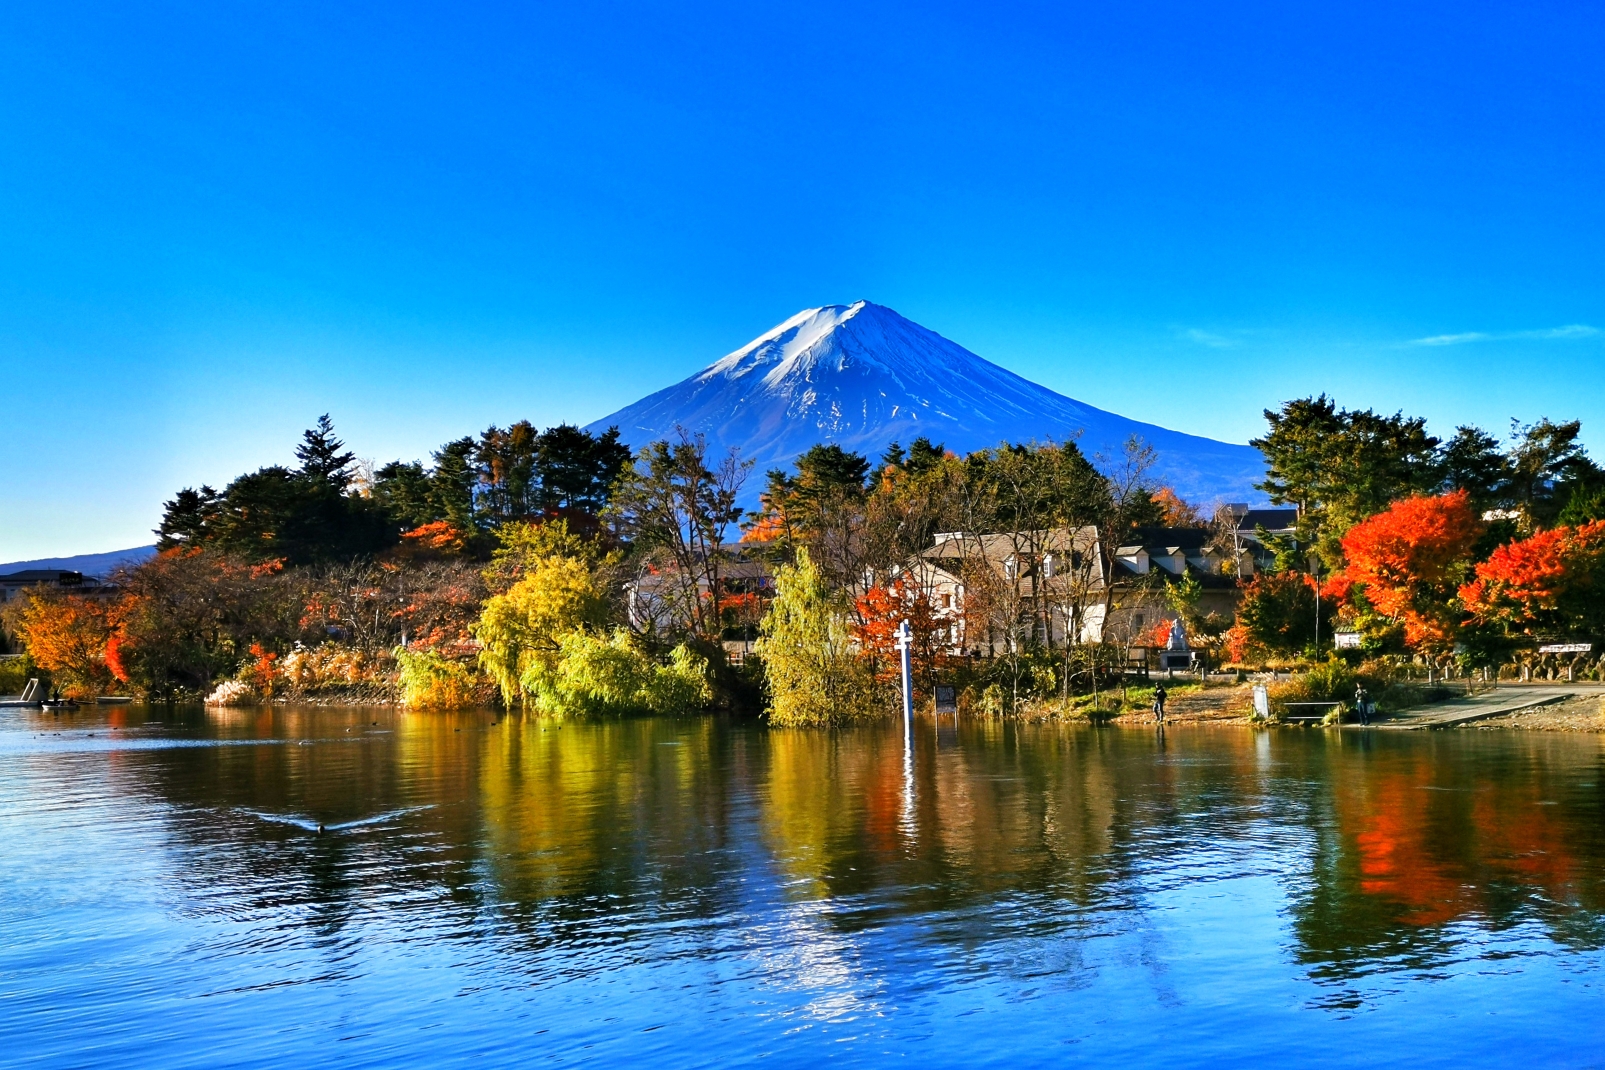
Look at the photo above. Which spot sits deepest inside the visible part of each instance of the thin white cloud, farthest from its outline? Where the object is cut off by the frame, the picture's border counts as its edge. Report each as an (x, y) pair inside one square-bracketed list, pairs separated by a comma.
[(1566, 333), (1208, 338), (1571, 330), (1452, 339)]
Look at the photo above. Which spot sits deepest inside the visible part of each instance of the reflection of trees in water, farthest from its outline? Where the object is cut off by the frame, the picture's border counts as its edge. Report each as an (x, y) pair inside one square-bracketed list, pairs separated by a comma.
[(244, 817), (1424, 836), (610, 817), (1066, 820), (593, 834)]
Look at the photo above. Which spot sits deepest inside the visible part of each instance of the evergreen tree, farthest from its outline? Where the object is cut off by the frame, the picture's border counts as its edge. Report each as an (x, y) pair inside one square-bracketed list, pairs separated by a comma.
[(188, 518), (1473, 462), (924, 456), (1339, 466), (577, 469), (323, 457), (1548, 467)]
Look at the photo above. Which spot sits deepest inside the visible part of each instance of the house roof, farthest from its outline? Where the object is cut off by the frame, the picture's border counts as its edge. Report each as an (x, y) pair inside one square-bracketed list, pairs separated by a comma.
[(1269, 519), (1172, 538), (997, 547), (44, 575)]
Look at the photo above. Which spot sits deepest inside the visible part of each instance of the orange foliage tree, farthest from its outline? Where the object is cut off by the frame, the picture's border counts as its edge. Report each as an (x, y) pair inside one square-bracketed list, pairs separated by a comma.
[(1408, 562), (881, 610), (1176, 512), (67, 636), (1550, 584)]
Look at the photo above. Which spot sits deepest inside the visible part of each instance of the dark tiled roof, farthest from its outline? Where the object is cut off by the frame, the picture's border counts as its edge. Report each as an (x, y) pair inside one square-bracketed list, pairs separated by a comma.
[(1165, 538), (43, 575), (1269, 519)]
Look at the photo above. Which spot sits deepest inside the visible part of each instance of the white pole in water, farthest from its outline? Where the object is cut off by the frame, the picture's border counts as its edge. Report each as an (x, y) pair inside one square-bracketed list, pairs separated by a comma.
[(905, 643)]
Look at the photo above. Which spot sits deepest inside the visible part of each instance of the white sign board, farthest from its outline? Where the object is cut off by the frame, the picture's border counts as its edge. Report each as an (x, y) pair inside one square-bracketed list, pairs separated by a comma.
[(1262, 700), (1347, 640), (1566, 648)]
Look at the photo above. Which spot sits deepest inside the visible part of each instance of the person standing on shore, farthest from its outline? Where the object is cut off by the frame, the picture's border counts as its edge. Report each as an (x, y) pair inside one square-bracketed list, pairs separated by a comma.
[(1159, 702), (1362, 704)]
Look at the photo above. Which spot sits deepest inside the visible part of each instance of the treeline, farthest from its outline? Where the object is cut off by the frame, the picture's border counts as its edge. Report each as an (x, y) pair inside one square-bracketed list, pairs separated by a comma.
[(329, 509), (554, 571), (1465, 552)]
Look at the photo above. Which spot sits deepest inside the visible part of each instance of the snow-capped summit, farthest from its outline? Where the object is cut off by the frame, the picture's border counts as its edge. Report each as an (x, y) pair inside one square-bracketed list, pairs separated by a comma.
[(862, 376)]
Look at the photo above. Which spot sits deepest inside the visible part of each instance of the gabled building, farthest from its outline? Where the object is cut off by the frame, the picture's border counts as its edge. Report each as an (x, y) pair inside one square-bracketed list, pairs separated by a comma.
[(13, 584), (1056, 584), (1245, 525)]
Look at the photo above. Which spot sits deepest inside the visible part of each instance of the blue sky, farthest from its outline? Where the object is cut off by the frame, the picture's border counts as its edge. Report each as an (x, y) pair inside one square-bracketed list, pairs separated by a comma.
[(218, 221)]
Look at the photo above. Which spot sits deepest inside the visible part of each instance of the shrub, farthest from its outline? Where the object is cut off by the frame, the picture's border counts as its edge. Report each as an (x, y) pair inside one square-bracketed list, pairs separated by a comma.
[(1330, 681), (317, 668), (231, 693), (681, 686), (609, 675), (432, 682), (15, 673)]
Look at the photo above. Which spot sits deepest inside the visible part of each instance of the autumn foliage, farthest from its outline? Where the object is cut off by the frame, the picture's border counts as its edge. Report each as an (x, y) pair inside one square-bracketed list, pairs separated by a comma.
[(67, 636), (1551, 583), (881, 610), (1409, 560), (1276, 615)]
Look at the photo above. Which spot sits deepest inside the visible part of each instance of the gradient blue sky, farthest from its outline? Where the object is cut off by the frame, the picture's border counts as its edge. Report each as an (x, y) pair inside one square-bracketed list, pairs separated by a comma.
[(219, 220)]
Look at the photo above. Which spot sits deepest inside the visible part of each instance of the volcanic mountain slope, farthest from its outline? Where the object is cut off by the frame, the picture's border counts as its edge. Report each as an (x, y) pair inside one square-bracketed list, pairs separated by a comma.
[(862, 376)]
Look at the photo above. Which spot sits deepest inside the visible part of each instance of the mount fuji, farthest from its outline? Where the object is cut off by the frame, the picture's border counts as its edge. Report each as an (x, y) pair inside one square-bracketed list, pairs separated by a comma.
[(861, 376)]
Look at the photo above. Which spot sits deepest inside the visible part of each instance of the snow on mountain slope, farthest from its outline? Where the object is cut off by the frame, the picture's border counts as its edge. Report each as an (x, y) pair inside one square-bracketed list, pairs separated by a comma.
[(863, 376)]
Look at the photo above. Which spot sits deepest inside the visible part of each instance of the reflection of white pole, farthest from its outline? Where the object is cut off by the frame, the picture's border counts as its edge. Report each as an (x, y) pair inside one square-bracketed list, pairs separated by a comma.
[(905, 642)]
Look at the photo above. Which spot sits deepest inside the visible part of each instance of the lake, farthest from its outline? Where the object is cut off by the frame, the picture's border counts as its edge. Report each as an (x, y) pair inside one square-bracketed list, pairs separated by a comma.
[(489, 890)]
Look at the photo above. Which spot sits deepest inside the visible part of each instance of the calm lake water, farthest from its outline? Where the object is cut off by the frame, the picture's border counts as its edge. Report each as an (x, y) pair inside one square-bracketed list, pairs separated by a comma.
[(684, 893)]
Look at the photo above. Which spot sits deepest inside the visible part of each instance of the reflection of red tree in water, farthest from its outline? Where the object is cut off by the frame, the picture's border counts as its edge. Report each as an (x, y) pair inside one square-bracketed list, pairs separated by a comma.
[(883, 802), (1436, 854), (1529, 846), (1394, 842)]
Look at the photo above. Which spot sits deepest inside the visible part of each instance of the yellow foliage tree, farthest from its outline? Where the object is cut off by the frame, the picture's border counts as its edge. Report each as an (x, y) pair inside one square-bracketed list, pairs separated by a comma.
[(815, 677), (67, 636), (431, 682), (521, 630)]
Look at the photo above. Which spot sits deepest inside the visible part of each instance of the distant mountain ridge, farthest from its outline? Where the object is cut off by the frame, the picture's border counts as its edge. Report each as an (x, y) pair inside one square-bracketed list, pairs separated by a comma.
[(862, 376), (99, 565)]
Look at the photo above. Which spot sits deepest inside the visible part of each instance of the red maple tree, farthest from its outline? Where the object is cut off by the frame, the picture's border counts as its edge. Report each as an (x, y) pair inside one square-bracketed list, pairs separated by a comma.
[(1549, 583), (881, 610), (1409, 561)]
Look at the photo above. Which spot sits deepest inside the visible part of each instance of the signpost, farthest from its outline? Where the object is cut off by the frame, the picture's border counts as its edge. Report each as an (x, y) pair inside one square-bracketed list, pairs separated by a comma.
[(947, 698), (905, 644)]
